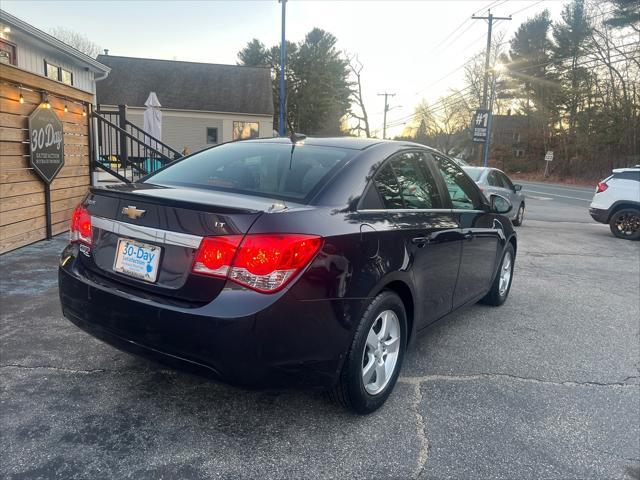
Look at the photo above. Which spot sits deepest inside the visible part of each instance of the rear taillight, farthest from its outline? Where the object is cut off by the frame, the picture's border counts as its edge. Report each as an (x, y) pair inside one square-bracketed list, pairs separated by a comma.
[(601, 187), (215, 255), (81, 226), (262, 262)]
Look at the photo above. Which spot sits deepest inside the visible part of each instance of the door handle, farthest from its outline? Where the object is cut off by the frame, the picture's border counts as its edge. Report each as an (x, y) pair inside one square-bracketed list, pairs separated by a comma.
[(421, 241), (468, 236)]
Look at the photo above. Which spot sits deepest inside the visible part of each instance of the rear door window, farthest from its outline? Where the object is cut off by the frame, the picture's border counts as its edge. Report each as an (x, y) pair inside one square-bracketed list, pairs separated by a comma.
[(275, 170), (418, 188), (492, 179), (405, 182), (388, 187)]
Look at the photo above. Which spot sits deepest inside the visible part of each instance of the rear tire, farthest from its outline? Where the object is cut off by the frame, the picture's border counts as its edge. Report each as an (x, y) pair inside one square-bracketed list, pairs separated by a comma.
[(502, 283), (625, 224), (370, 370), (519, 216)]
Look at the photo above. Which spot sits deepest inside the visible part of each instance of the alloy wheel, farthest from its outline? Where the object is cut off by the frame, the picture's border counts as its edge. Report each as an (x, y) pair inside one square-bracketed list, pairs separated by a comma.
[(380, 355), (627, 223), (505, 274)]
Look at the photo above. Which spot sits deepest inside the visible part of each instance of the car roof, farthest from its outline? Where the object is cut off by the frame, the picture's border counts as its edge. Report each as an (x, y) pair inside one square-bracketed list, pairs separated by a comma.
[(628, 169), (483, 170), (354, 143)]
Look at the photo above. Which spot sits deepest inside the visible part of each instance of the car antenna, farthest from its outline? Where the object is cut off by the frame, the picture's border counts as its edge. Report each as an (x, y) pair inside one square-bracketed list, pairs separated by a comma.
[(295, 138)]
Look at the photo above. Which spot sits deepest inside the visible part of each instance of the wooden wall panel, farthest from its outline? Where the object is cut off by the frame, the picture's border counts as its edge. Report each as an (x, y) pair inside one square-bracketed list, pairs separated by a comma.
[(22, 209)]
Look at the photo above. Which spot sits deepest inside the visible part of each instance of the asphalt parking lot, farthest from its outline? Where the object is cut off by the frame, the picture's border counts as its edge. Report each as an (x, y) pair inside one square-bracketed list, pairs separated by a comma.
[(546, 386)]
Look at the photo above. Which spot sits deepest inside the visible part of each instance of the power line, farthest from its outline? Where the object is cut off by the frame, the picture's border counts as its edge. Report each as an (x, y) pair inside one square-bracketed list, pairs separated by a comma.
[(526, 8), (442, 101), (553, 61), (461, 25), (436, 107), (445, 102), (486, 7)]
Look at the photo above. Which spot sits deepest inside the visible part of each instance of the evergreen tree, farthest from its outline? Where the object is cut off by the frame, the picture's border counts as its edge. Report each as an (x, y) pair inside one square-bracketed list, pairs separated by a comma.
[(626, 13), (572, 41), (317, 82), (529, 60)]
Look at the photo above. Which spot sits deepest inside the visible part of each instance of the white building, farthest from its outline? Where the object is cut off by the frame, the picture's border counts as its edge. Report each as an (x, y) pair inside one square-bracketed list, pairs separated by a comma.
[(28, 48), (202, 104)]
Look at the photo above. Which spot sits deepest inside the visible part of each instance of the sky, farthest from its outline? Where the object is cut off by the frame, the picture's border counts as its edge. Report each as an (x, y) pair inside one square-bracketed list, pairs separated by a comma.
[(414, 49)]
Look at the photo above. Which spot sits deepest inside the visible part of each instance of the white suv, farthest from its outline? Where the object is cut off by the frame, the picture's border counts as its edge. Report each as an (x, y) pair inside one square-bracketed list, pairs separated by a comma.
[(617, 202)]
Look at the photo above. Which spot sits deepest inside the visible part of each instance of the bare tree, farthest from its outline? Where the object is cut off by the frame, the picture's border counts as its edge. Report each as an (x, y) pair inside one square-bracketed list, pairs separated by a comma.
[(355, 66), (76, 40)]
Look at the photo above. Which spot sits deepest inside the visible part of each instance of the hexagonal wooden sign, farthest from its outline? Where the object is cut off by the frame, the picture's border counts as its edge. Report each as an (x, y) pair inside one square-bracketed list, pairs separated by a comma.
[(46, 143)]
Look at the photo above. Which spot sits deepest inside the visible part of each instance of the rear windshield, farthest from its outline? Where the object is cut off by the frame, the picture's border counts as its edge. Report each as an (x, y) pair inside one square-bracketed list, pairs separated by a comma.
[(628, 175), (474, 172), (264, 169)]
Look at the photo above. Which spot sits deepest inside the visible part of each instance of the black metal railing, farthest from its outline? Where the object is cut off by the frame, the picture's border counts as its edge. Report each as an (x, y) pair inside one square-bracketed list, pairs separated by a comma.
[(126, 151)]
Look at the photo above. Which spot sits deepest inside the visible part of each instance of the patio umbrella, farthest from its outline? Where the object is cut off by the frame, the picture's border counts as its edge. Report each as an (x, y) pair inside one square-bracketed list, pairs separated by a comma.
[(153, 119)]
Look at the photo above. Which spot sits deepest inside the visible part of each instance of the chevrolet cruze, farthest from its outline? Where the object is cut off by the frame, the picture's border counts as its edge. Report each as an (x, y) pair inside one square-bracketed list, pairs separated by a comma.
[(287, 262)]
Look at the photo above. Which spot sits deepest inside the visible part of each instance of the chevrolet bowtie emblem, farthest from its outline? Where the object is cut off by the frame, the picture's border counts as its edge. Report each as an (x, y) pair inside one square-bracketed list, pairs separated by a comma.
[(132, 212)]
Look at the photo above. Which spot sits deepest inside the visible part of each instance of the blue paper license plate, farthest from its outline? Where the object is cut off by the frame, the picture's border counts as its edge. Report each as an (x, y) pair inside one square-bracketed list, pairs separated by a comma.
[(139, 260)]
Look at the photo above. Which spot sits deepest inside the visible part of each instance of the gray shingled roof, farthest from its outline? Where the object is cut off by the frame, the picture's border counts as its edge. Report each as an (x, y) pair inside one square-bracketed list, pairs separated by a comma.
[(186, 85)]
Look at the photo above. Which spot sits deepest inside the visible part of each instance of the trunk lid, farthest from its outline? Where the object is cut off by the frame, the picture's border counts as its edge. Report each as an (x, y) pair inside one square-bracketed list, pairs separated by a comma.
[(174, 220)]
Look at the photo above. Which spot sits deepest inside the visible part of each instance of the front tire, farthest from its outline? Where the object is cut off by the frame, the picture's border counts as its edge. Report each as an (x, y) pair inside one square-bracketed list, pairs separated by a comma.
[(625, 224), (519, 216), (374, 359), (502, 283)]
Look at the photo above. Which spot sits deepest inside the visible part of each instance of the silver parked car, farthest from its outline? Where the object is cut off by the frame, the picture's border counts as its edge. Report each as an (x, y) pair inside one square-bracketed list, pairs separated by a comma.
[(492, 180)]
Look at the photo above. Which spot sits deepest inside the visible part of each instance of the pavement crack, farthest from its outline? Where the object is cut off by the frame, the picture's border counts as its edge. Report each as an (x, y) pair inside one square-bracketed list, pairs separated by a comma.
[(567, 254), (421, 430), (56, 369), (495, 376)]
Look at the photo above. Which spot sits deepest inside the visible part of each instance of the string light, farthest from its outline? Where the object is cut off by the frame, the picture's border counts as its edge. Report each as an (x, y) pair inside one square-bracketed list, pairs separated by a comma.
[(46, 103)]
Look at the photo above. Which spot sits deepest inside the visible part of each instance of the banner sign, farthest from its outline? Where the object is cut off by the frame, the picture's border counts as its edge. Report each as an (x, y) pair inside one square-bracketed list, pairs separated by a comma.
[(480, 125), (46, 143)]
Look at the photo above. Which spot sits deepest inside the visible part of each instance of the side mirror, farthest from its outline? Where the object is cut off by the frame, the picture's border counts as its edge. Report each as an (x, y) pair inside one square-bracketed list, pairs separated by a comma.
[(501, 205), (517, 187)]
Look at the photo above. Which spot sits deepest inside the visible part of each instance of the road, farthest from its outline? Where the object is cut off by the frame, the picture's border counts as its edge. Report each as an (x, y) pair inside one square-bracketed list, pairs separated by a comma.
[(546, 386), (557, 203)]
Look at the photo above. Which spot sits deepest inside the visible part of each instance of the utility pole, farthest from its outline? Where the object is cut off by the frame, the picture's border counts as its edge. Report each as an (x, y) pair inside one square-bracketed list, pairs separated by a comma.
[(485, 98), (386, 109), (487, 140), (283, 57)]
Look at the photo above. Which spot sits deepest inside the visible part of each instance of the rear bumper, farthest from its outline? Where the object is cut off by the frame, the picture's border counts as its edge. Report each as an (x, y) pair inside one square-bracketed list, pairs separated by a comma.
[(287, 342), (599, 215)]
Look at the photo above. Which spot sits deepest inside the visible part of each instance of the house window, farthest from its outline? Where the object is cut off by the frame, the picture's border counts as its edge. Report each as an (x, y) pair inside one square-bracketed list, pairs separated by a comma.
[(519, 153), (212, 136), (244, 130), (66, 76), (51, 71), (55, 72), (7, 52)]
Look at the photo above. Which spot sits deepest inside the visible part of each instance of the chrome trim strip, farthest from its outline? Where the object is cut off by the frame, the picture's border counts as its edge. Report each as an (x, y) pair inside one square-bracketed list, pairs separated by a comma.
[(139, 232), (418, 210)]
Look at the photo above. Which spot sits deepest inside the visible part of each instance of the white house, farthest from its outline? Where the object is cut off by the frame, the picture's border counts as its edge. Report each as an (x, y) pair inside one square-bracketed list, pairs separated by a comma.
[(28, 48), (202, 104)]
